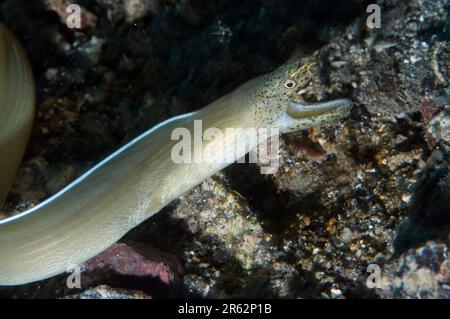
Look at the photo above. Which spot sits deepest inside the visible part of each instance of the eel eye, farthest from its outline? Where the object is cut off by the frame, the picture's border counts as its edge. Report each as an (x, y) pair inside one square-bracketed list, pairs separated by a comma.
[(290, 84)]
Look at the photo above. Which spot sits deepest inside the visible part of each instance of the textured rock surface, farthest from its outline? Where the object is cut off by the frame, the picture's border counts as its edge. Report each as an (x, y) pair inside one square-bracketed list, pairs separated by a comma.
[(105, 292), (418, 273), (373, 189), (134, 265)]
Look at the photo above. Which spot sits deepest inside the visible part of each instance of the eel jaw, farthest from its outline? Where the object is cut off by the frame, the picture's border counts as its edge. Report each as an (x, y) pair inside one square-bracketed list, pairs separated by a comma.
[(298, 110), (299, 116)]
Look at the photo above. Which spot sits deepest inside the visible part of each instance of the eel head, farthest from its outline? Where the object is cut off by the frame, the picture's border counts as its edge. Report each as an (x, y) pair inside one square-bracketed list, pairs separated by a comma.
[(281, 98)]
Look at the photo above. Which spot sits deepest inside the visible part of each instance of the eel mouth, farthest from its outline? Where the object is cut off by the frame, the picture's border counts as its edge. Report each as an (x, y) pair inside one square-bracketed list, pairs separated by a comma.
[(298, 110)]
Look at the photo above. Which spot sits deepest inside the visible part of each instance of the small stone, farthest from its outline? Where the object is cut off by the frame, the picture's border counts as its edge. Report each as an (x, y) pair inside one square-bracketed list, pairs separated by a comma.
[(51, 74), (335, 292), (136, 9), (346, 235)]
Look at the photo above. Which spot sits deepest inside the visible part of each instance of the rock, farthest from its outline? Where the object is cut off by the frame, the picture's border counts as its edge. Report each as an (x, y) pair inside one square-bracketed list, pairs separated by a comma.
[(133, 263), (439, 129), (106, 292), (422, 272)]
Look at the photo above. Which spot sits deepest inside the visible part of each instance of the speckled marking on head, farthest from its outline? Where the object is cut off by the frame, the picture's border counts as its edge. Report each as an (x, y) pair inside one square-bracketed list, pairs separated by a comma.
[(272, 93)]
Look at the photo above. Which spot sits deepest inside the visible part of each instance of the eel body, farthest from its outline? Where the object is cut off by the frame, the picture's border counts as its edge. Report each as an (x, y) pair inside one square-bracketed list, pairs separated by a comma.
[(16, 108), (140, 178)]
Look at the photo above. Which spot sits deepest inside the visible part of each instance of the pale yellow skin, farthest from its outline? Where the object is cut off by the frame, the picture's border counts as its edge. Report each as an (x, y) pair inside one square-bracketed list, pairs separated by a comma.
[(133, 183), (16, 114)]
